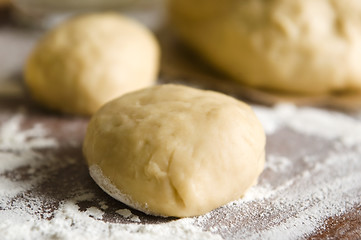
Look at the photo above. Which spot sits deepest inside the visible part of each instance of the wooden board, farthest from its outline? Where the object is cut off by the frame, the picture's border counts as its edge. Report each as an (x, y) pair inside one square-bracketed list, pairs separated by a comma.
[(63, 174)]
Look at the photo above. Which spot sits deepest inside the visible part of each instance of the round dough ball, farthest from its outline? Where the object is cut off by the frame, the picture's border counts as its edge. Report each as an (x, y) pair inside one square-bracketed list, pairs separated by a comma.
[(89, 60), (173, 150), (299, 46)]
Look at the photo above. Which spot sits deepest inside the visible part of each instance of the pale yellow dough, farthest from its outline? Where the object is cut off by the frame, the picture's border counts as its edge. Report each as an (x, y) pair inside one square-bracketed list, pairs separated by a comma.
[(89, 60), (299, 46), (173, 150)]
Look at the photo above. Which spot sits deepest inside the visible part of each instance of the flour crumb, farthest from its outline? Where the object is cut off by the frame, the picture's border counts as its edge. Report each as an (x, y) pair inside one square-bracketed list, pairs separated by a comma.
[(103, 205), (126, 213), (95, 213), (135, 218)]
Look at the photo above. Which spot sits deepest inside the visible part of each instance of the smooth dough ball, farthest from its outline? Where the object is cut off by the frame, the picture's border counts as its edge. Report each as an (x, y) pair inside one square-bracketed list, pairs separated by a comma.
[(172, 150), (299, 46), (89, 60)]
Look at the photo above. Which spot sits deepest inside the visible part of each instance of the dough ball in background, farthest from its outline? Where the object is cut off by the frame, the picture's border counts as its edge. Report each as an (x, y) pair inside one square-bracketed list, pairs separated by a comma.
[(172, 150), (89, 60), (299, 46)]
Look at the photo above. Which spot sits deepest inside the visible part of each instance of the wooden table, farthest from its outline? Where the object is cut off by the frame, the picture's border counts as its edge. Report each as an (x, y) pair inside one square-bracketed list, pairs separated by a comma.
[(63, 174)]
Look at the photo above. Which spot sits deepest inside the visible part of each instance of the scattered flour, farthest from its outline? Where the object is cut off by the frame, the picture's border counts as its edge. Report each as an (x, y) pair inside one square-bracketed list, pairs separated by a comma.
[(95, 213), (135, 218), (13, 138), (23, 216), (316, 122), (10, 189), (320, 186), (292, 199), (307, 191), (274, 118), (300, 205), (17, 146), (103, 205), (70, 223), (278, 163), (126, 213)]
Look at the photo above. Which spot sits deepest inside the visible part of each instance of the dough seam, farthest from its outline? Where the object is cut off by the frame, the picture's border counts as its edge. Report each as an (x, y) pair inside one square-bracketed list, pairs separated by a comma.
[(175, 190)]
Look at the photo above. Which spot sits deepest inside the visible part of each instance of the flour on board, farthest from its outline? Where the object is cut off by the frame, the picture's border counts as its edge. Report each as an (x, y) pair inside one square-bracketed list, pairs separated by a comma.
[(21, 216), (296, 193)]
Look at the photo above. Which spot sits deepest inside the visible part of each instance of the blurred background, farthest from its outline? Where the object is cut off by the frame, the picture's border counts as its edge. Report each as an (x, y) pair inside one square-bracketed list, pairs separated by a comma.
[(22, 22)]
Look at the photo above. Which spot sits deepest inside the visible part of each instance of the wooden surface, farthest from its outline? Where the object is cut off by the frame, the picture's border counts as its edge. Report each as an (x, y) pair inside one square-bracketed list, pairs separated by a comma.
[(69, 177)]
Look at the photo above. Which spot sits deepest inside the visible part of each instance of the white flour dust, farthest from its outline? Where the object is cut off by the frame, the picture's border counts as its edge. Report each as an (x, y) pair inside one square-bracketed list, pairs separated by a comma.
[(308, 189), (311, 121), (302, 185), (23, 217), (126, 213)]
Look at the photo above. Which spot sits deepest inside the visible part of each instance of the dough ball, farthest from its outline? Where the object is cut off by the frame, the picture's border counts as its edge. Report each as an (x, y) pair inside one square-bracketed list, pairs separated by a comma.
[(89, 60), (297, 46), (173, 150)]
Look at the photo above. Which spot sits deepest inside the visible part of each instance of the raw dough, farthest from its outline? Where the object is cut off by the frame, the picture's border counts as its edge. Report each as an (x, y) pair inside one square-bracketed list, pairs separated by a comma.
[(89, 60), (300, 46), (172, 150)]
